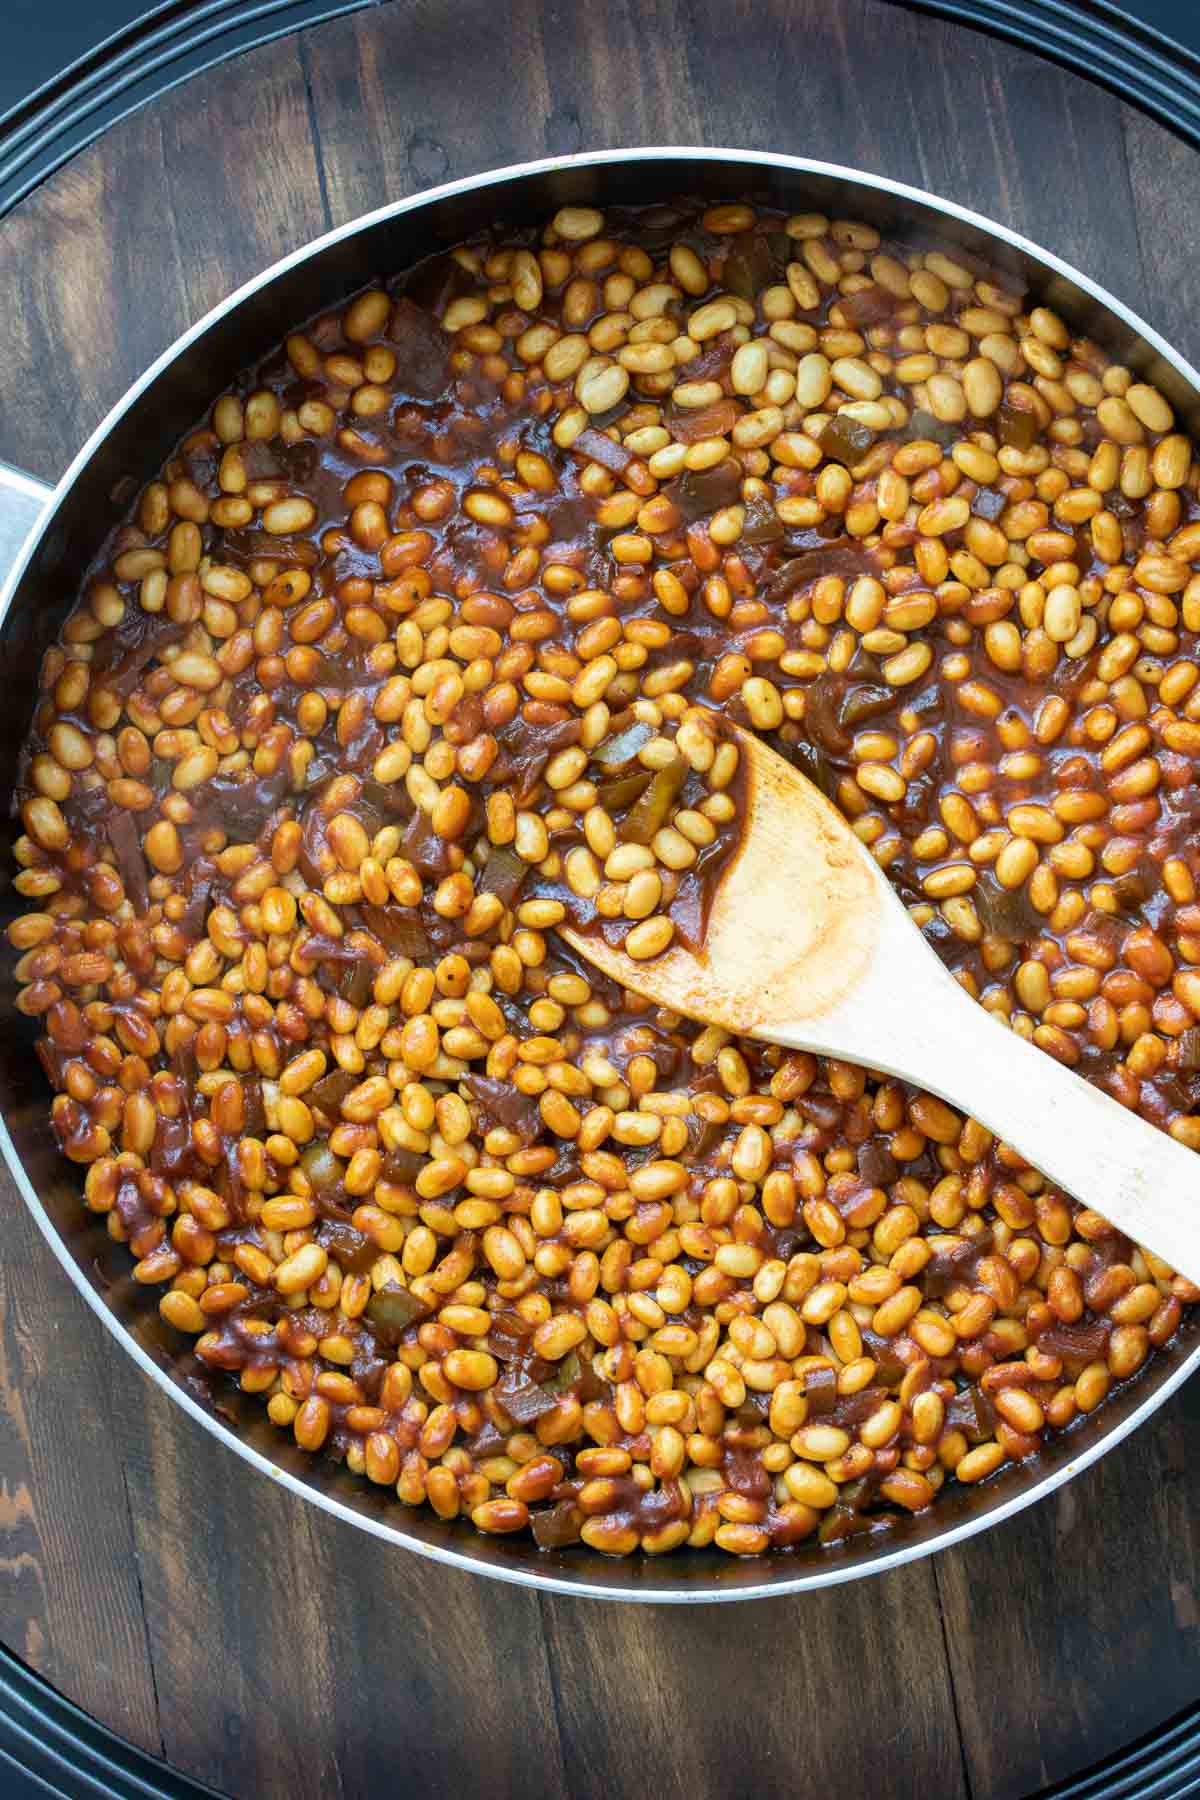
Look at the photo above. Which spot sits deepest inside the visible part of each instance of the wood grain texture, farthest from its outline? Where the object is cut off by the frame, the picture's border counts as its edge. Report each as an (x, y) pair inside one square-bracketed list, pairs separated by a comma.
[(58, 1532), (296, 1656), (132, 241), (148, 1573), (851, 81), (1162, 174), (1078, 1622), (842, 1692)]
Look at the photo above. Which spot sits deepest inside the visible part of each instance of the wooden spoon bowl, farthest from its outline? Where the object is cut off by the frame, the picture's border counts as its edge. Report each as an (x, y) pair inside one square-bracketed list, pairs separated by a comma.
[(808, 946)]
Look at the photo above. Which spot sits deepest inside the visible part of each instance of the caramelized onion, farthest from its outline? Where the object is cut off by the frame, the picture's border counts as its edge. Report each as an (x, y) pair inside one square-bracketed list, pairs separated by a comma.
[(391, 1311), (651, 810), (504, 1104), (503, 873)]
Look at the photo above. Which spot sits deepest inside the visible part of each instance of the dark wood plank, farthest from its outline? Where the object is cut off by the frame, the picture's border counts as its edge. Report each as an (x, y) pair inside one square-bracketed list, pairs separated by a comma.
[(130, 243), (861, 82), (297, 1656), (1074, 1628), (292, 1655), (1162, 172), (239, 163), (70, 1602), (89, 265), (843, 1692), (948, 109)]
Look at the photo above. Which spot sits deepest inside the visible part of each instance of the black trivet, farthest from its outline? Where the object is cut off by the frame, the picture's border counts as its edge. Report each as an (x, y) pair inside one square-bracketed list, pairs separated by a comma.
[(71, 70), (50, 1750), (1148, 51), (117, 55)]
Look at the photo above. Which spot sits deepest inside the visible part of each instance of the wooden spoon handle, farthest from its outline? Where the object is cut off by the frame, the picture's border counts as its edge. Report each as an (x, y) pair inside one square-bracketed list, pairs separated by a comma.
[(1085, 1142)]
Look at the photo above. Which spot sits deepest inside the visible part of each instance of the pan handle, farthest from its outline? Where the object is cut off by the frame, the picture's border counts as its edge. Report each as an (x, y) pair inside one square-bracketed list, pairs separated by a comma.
[(22, 501)]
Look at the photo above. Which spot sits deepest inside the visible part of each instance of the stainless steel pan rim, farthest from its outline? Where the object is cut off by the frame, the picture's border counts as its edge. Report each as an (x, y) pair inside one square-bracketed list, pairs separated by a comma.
[(677, 1583)]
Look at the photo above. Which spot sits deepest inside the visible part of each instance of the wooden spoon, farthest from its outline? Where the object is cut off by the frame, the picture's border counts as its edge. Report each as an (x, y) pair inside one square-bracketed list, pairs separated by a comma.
[(807, 946)]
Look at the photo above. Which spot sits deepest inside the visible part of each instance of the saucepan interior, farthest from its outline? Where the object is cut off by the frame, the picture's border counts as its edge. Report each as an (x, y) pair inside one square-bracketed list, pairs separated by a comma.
[(127, 450)]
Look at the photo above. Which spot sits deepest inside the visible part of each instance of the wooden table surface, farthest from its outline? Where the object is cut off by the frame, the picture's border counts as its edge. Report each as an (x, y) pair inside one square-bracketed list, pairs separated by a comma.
[(153, 1577)]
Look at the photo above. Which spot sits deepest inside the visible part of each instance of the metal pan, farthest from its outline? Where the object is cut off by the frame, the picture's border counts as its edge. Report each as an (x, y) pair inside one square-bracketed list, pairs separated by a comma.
[(47, 537)]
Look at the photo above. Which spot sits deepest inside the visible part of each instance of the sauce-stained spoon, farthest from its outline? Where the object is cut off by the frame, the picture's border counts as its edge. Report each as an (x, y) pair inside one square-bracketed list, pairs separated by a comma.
[(807, 946)]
